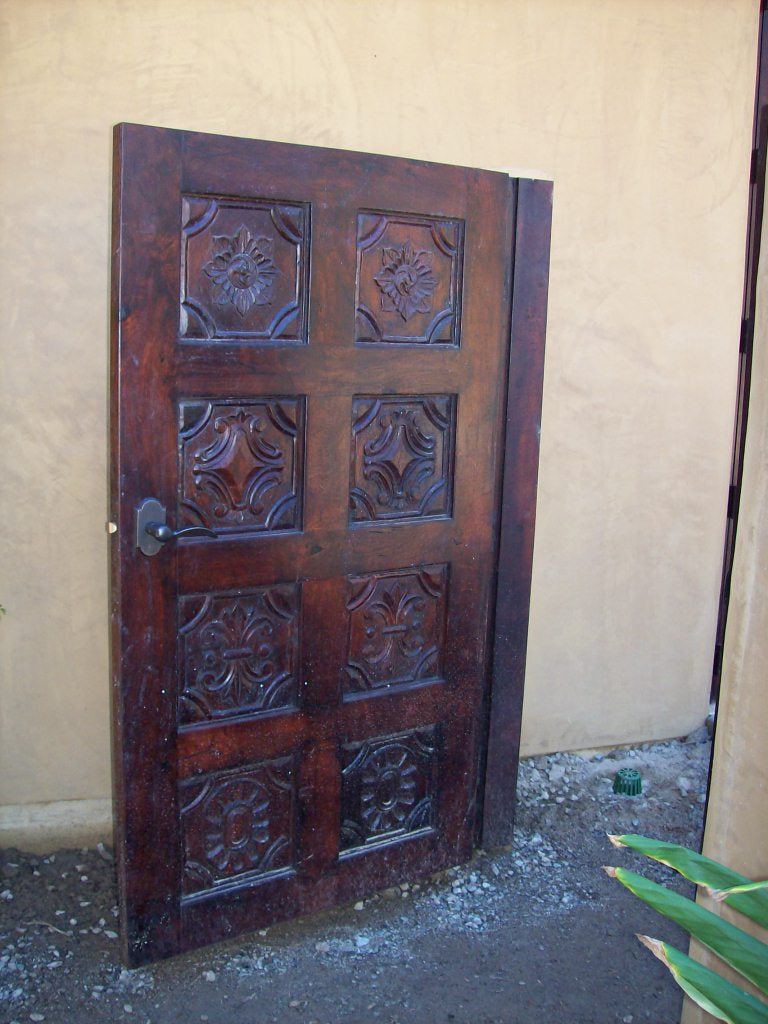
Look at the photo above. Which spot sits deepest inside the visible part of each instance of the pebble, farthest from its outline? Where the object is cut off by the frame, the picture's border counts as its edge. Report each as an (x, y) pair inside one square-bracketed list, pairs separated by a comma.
[(109, 934), (37, 1016), (6, 895), (209, 975), (127, 1008), (323, 947), (359, 905), (361, 941)]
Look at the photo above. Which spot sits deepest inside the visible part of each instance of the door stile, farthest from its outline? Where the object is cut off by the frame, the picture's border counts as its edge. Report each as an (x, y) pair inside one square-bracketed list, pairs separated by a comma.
[(148, 860)]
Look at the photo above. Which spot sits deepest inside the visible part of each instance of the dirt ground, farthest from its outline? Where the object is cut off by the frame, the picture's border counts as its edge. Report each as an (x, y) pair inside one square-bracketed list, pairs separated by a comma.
[(534, 934)]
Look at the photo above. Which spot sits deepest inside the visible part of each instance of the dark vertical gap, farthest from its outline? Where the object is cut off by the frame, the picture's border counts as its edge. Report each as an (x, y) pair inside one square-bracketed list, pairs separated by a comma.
[(752, 256), (513, 193), (746, 343)]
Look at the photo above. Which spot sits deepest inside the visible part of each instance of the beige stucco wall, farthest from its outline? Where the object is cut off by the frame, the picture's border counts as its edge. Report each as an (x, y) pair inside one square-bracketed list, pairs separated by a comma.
[(736, 831), (641, 114)]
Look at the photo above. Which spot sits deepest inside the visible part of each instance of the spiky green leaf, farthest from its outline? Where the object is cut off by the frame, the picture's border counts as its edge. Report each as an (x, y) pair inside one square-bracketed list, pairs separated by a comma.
[(742, 951), (752, 902), (714, 994)]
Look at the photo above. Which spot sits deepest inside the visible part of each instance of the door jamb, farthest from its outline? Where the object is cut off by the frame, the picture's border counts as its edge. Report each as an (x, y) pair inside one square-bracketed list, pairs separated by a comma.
[(532, 200), (757, 181)]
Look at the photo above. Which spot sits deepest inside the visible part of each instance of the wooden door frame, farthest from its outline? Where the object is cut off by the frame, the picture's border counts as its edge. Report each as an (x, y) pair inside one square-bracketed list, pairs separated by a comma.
[(757, 180), (497, 779)]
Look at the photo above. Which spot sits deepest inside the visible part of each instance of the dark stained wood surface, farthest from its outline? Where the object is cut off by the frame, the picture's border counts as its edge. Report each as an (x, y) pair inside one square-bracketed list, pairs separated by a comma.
[(518, 505), (310, 355)]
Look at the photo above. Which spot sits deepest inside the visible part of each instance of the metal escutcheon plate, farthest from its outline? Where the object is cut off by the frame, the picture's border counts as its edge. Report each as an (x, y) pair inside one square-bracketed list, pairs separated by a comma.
[(148, 511)]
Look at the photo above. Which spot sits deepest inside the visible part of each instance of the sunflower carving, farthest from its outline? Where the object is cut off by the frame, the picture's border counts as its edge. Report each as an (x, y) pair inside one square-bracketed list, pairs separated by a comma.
[(237, 825), (406, 280), (388, 789), (242, 269)]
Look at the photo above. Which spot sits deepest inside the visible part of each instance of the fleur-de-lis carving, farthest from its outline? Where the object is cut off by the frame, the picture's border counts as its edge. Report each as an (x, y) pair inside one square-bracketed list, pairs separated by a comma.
[(394, 619), (396, 624), (239, 653)]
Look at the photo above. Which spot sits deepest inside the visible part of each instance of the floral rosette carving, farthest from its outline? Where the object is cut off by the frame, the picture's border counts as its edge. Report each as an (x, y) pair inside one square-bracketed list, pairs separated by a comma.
[(242, 269), (388, 789), (406, 280), (237, 823)]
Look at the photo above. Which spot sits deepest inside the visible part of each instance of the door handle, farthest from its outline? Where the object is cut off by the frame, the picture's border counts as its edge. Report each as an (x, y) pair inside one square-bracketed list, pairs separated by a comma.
[(152, 531), (163, 532)]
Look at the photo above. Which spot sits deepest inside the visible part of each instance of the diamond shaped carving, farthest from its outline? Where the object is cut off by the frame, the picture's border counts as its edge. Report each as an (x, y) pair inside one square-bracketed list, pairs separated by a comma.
[(240, 464), (402, 457)]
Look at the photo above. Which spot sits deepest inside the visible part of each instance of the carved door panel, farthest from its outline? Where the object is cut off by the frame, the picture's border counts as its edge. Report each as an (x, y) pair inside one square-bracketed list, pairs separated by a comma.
[(310, 361)]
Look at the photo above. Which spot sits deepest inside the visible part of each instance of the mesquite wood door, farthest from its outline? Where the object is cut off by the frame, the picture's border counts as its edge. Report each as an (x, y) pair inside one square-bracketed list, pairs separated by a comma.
[(310, 362)]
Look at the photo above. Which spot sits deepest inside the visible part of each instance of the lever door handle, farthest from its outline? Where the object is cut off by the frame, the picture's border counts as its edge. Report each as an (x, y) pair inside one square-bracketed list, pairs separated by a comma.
[(152, 531), (163, 532)]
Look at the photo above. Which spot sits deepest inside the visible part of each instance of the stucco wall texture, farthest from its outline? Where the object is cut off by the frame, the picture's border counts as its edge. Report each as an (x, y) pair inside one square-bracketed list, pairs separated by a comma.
[(640, 112)]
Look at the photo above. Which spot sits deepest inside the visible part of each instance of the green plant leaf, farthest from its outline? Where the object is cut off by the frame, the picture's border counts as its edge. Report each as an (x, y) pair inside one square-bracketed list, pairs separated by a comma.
[(735, 890), (753, 903), (742, 951), (714, 994)]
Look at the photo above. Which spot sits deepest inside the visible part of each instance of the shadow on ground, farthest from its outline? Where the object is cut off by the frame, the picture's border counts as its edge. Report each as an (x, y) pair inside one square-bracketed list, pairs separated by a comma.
[(533, 934)]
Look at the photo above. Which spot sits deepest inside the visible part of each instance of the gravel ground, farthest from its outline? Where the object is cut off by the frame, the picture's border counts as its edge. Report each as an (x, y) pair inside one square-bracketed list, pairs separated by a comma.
[(531, 934)]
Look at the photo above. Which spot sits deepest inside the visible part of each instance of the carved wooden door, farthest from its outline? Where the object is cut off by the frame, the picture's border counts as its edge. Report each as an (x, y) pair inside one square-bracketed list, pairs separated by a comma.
[(310, 362)]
